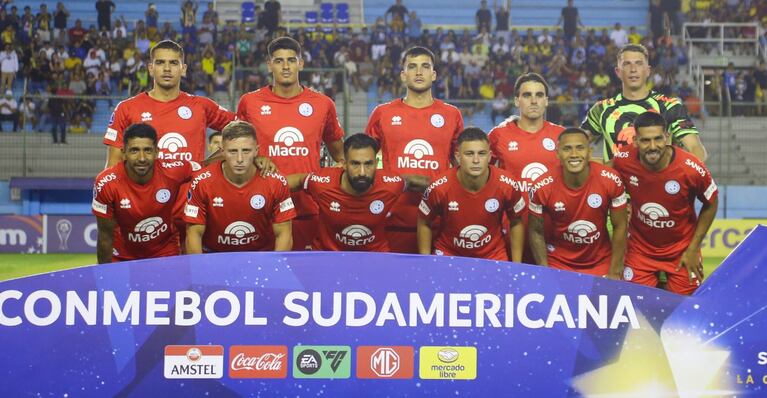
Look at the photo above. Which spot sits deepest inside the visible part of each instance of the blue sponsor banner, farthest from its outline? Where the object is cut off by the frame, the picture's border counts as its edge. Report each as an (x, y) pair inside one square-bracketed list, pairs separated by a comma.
[(362, 324)]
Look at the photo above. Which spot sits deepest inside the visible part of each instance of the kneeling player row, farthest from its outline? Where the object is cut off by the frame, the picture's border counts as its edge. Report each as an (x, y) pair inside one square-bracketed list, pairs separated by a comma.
[(474, 210)]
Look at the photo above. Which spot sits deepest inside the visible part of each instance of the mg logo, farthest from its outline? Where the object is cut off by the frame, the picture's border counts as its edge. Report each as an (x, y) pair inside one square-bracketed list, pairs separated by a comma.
[(385, 362), (284, 139), (356, 235), (533, 170), (472, 237), (238, 233), (582, 232), (147, 229), (653, 215), (173, 146), (418, 149), (12, 237)]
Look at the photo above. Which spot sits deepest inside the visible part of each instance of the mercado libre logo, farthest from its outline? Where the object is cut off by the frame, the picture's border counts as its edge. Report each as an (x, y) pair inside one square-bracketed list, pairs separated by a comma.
[(447, 363), (322, 362)]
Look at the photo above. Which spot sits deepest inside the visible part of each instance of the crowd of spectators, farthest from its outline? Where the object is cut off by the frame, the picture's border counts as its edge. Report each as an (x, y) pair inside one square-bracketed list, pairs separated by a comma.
[(62, 59)]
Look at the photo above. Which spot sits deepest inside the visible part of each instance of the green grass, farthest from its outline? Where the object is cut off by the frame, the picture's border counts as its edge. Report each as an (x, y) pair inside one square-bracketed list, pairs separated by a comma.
[(18, 265)]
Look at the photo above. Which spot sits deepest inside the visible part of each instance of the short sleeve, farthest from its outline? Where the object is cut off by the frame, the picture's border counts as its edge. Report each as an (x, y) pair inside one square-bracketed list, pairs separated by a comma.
[(679, 122), (430, 204), (593, 123), (103, 200), (618, 198), (332, 130), (705, 186), (242, 109), (195, 211), (118, 122), (537, 200), (217, 117), (283, 209), (373, 128)]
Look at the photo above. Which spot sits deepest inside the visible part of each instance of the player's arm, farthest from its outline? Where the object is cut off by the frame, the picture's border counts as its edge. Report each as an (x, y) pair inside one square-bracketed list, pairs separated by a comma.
[(336, 150), (416, 183), (283, 236), (194, 233), (423, 236), (619, 220), (516, 239), (537, 240), (105, 242), (691, 256), (296, 181), (692, 143), (114, 156)]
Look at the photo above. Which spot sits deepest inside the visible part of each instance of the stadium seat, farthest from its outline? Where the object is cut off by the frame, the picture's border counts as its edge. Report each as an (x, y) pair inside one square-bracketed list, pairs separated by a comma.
[(248, 11), (342, 8), (327, 17), (342, 17), (311, 17), (326, 8)]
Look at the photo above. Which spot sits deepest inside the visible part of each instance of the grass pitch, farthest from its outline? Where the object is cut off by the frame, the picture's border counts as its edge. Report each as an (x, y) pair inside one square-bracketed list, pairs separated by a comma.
[(20, 265)]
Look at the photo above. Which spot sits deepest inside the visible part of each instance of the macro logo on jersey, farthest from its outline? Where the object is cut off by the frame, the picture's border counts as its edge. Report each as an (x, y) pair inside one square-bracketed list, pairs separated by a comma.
[(581, 232), (655, 215), (238, 233), (531, 173), (356, 235), (472, 237), (173, 146), (147, 229), (412, 157), (284, 141)]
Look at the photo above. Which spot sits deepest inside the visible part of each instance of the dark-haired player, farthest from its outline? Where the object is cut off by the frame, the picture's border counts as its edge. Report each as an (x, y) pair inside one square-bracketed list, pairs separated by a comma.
[(471, 201), (354, 200), (665, 233), (137, 196), (575, 200), (233, 207), (416, 134), (525, 145), (291, 123), (612, 118)]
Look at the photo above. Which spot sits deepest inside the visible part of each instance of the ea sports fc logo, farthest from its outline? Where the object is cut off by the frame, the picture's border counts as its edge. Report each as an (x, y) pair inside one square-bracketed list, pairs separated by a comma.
[(238, 233), (582, 232), (356, 235), (655, 216), (173, 147), (285, 141), (413, 156), (147, 229), (472, 237)]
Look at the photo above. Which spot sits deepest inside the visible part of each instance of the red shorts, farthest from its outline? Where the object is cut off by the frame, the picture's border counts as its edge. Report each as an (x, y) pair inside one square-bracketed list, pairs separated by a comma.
[(597, 270), (305, 229), (644, 271), (402, 240)]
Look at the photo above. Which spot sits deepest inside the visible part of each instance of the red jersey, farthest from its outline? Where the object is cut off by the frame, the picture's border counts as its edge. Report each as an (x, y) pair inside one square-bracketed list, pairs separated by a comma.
[(414, 141), (663, 214), (348, 222), (143, 213), (180, 123), (471, 222), (238, 219), (577, 237), (290, 132), (525, 155)]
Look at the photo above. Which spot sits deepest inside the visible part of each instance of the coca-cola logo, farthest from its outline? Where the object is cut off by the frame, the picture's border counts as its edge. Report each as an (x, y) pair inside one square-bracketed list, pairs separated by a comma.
[(267, 361), (258, 362)]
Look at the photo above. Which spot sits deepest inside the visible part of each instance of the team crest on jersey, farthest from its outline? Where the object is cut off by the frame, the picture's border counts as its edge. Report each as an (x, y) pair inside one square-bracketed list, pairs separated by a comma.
[(491, 205), (146, 117), (112, 119), (513, 146), (184, 112), (672, 187), (628, 274), (396, 120), (549, 144), (305, 109), (376, 207), (162, 196), (595, 200), (437, 120), (257, 202)]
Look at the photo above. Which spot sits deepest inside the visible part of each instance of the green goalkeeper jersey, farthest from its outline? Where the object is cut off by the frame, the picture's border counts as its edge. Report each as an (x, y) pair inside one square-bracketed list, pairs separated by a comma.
[(612, 119)]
